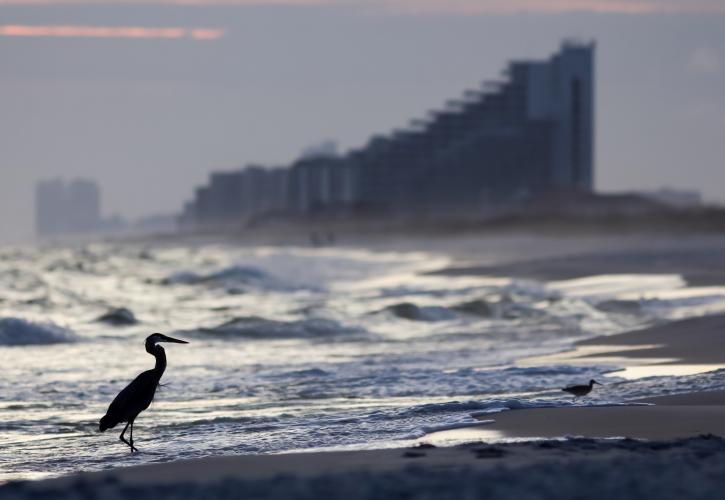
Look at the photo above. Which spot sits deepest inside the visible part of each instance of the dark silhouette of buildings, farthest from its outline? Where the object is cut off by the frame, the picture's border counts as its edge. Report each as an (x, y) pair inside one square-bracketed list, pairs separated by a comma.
[(61, 207), (509, 141), (237, 196)]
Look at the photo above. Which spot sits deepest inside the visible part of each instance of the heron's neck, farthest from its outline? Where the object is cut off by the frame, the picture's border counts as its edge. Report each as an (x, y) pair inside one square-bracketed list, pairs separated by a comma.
[(158, 352)]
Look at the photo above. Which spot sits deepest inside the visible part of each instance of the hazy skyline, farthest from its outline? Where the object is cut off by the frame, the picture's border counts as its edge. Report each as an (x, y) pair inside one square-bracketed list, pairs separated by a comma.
[(149, 97)]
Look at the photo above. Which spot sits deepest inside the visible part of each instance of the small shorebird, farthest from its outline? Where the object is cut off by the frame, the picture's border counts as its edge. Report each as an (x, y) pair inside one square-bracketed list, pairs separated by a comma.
[(137, 395), (580, 390)]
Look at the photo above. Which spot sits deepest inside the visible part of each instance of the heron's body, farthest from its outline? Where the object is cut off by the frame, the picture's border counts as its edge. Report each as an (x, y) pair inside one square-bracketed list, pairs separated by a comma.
[(138, 395), (580, 390), (133, 399)]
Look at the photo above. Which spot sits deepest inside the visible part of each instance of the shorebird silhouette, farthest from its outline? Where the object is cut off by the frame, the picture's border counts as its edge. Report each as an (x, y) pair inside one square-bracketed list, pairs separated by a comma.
[(137, 395), (581, 390)]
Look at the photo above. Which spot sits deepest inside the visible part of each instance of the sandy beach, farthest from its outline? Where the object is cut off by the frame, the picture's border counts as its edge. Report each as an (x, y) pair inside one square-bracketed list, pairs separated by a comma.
[(689, 346), (666, 419), (695, 341), (541, 469), (699, 259)]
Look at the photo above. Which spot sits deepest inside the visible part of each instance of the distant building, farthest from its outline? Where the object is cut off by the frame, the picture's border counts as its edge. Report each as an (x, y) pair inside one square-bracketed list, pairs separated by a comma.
[(320, 183), (527, 134), (235, 197), (511, 140), (62, 207), (83, 206), (50, 205)]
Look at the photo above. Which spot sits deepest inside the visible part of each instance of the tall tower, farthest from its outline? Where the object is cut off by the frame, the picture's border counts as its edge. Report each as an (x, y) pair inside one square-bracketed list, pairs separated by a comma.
[(83, 208), (50, 203), (67, 208), (561, 90)]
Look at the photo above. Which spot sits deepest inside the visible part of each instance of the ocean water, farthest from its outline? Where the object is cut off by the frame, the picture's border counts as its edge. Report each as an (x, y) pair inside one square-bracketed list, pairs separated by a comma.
[(292, 348)]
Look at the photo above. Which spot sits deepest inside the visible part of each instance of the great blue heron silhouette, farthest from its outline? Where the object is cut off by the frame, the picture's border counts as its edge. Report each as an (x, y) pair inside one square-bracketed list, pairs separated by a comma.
[(137, 395)]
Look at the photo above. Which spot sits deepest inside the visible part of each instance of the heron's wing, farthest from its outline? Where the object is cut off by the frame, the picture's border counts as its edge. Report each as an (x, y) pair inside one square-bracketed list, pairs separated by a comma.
[(133, 399)]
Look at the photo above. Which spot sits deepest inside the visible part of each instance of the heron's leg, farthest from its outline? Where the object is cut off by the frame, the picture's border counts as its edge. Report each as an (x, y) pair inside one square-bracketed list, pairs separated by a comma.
[(124, 432), (133, 448)]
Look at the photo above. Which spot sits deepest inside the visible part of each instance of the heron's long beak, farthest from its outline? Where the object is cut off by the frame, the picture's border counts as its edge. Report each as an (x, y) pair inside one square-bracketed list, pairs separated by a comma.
[(171, 339), (593, 380)]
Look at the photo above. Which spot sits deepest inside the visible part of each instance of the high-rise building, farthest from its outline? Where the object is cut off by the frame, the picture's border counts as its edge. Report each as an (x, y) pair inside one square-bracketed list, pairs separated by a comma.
[(235, 197), (67, 208), (83, 206), (561, 92), (49, 207), (527, 134)]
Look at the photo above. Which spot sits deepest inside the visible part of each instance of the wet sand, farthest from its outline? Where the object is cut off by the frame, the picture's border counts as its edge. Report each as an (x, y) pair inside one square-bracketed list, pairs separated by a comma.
[(685, 347), (699, 263), (663, 421), (573, 469), (690, 341), (710, 398)]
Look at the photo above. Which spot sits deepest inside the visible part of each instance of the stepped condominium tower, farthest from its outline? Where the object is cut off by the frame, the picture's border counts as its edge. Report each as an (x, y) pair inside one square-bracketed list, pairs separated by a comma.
[(560, 92), (528, 134)]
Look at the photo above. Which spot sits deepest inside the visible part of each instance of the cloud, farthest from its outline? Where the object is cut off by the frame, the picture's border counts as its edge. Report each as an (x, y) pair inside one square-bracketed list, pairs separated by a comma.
[(705, 60), (440, 6), (554, 6), (209, 3), (19, 30)]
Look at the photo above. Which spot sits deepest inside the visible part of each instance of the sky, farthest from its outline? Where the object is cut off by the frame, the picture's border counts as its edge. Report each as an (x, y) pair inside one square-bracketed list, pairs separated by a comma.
[(149, 97)]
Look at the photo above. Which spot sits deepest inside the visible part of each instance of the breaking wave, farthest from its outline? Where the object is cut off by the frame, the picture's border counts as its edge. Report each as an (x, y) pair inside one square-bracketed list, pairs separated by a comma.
[(505, 308), (118, 317), (410, 311), (17, 331), (231, 277), (261, 328)]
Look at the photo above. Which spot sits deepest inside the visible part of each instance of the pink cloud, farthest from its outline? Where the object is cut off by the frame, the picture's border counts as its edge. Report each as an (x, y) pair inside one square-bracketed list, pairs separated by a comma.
[(18, 30), (206, 34), (440, 6), (555, 6)]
